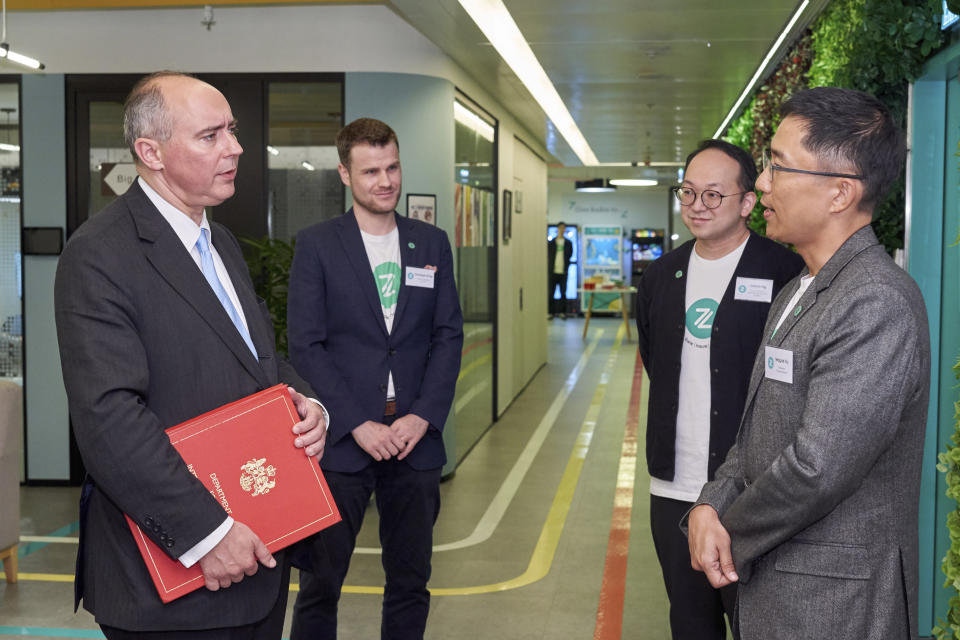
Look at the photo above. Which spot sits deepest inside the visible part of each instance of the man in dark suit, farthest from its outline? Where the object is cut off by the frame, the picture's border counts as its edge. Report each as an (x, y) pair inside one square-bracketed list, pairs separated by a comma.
[(375, 326), (148, 340), (814, 512), (700, 315), (559, 254)]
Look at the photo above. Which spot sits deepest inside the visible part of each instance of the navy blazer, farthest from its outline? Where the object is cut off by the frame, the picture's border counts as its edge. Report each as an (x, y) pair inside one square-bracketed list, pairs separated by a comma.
[(737, 330), (339, 341)]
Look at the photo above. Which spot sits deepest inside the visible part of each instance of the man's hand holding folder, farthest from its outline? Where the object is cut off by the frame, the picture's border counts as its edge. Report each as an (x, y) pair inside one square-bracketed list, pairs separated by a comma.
[(275, 494)]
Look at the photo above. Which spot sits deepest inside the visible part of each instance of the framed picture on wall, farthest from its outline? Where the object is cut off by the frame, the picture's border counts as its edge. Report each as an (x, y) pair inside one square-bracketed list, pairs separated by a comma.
[(422, 206), (507, 215)]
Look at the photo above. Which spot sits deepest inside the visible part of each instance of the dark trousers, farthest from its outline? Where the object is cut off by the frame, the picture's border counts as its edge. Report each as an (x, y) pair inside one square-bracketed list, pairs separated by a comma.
[(696, 608), (270, 628), (557, 306), (408, 502)]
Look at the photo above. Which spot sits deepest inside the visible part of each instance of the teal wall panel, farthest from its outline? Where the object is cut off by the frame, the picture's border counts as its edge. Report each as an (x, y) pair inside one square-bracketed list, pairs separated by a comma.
[(933, 262)]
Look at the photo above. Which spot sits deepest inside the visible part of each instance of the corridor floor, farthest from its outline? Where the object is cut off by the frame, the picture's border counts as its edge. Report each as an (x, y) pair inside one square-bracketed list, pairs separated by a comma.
[(543, 533)]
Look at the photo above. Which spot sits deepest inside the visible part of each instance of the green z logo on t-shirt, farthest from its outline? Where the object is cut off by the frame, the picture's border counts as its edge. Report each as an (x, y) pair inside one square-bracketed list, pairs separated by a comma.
[(387, 275), (700, 318)]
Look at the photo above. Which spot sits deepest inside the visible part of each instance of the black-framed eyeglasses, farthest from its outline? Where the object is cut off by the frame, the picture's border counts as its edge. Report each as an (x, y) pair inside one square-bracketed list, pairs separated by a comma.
[(711, 199), (768, 164)]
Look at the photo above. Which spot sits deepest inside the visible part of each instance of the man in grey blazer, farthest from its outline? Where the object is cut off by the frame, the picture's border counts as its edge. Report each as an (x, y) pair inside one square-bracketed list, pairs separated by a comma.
[(158, 322), (814, 512)]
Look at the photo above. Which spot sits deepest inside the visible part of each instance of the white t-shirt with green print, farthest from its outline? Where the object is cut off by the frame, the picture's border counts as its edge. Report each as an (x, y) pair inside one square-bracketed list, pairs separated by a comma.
[(383, 252)]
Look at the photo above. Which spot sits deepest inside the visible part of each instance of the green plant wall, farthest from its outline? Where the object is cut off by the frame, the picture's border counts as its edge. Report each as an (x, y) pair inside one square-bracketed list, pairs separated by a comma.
[(876, 46)]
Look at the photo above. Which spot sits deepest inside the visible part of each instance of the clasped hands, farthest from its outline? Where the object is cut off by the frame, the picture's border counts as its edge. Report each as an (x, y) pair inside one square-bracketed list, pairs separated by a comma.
[(240, 552), (383, 442), (710, 546)]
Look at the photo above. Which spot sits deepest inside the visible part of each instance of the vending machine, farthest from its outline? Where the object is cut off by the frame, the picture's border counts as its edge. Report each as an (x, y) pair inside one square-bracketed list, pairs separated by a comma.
[(602, 267), (646, 245)]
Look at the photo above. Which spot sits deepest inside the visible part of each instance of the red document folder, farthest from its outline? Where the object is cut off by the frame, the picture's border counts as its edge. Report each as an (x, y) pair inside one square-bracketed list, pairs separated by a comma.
[(244, 454)]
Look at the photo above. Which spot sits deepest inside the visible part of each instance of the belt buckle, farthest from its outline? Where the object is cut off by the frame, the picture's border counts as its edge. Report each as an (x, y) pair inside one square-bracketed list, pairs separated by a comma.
[(391, 408)]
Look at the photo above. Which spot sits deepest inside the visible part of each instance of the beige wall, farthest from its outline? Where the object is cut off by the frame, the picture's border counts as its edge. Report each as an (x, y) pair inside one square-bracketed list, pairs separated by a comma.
[(522, 347)]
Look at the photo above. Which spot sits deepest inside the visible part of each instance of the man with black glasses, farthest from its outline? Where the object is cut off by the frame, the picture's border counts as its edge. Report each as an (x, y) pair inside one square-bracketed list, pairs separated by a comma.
[(700, 314), (814, 512)]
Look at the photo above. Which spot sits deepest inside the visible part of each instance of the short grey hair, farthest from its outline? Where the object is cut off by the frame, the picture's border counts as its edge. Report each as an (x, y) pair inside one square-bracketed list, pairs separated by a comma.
[(145, 113)]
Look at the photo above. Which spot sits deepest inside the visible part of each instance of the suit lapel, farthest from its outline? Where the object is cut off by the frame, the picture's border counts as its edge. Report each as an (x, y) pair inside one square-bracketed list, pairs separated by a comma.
[(408, 254), (352, 242), (858, 242), (166, 253)]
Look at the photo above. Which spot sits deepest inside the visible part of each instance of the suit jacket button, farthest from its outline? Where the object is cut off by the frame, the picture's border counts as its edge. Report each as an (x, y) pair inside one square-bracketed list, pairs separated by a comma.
[(715, 412), (148, 521), (383, 387), (169, 543), (392, 352), (163, 537), (156, 528)]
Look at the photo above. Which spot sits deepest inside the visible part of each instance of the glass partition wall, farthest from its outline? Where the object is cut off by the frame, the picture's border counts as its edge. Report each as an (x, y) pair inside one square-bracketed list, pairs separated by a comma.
[(11, 272), (476, 234)]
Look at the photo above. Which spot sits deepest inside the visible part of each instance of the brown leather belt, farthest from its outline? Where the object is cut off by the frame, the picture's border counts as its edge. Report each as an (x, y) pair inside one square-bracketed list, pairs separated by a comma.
[(391, 408)]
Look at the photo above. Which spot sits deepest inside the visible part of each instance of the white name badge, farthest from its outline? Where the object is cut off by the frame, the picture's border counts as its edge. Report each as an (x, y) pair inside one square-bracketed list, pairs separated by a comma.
[(754, 290), (778, 364), (417, 277)]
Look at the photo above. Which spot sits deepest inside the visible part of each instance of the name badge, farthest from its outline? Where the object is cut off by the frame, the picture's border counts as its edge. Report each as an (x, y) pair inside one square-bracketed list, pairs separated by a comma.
[(417, 277), (754, 290), (778, 364)]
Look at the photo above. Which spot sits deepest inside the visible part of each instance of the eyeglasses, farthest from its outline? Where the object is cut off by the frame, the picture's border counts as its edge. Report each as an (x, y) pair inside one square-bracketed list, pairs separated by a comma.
[(711, 199), (768, 164)]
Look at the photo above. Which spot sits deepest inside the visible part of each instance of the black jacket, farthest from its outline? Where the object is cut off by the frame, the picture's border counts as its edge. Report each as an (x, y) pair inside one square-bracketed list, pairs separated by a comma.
[(736, 336)]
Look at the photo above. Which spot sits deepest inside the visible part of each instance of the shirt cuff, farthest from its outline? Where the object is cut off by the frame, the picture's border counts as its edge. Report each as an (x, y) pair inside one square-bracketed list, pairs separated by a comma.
[(202, 548), (326, 416)]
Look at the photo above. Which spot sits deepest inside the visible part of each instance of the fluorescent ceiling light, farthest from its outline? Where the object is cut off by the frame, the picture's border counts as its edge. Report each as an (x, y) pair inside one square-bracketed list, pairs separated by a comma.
[(13, 56), (761, 68), (633, 182), (596, 185), (9, 147), (493, 19), (273, 150), (469, 119), (306, 165)]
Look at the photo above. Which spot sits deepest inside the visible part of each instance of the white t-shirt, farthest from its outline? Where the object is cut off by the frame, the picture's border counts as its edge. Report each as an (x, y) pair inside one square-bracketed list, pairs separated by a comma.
[(707, 280), (383, 252), (558, 256)]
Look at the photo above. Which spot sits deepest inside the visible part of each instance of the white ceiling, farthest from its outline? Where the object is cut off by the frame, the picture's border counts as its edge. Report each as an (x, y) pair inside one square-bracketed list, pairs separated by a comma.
[(645, 80)]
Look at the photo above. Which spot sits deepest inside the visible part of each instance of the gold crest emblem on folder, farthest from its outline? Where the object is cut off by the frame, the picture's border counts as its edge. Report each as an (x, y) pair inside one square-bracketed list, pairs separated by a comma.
[(257, 478)]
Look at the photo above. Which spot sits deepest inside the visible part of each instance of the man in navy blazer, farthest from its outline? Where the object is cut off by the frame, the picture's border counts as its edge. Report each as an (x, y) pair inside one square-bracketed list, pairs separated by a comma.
[(375, 327)]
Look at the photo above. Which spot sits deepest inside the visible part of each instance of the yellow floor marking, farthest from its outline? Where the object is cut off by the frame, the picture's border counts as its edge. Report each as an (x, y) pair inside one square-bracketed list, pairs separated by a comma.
[(479, 362)]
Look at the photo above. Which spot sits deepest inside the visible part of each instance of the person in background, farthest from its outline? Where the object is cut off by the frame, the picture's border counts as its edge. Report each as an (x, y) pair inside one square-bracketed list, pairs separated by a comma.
[(700, 315), (559, 254)]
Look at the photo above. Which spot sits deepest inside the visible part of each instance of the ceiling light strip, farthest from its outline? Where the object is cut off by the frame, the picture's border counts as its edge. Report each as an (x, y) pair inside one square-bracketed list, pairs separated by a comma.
[(469, 119), (496, 23), (762, 67)]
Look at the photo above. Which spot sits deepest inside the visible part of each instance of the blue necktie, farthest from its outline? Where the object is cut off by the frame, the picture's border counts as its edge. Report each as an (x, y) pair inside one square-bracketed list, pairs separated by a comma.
[(210, 273)]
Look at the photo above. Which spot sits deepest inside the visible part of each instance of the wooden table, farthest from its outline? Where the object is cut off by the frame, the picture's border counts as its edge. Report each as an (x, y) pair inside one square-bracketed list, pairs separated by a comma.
[(623, 291)]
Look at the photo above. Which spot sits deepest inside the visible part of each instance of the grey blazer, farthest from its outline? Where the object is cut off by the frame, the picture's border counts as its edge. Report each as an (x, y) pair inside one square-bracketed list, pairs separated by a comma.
[(820, 493), (144, 345)]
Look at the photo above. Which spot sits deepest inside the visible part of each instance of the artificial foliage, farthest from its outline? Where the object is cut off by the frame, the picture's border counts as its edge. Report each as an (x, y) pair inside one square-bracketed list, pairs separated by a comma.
[(269, 263), (876, 46)]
